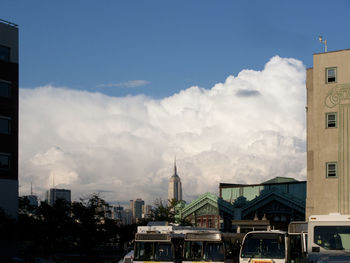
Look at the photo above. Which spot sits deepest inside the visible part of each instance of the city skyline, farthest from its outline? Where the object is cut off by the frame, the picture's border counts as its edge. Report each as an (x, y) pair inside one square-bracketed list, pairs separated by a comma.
[(105, 104)]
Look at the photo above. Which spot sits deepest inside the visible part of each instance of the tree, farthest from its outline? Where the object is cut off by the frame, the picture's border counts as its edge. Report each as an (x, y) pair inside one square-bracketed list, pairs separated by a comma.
[(82, 227), (55, 226), (92, 228), (161, 212)]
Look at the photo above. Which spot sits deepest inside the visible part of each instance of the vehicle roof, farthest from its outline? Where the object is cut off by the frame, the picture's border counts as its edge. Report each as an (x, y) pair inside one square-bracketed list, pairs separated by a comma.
[(330, 217), (268, 232)]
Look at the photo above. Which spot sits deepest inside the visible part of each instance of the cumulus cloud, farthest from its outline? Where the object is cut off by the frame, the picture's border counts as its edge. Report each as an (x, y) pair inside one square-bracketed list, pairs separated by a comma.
[(127, 84), (248, 129)]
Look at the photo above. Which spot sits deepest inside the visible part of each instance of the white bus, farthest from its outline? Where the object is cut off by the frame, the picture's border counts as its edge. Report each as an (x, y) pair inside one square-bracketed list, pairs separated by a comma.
[(211, 246), (264, 247), (157, 244), (329, 238)]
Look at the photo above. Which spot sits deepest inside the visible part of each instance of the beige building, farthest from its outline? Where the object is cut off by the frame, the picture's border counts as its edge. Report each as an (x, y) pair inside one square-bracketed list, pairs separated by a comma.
[(328, 134)]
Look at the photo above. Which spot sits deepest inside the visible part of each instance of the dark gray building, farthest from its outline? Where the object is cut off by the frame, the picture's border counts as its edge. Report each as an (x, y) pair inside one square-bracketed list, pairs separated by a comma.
[(138, 208), (54, 194), (9, 118)]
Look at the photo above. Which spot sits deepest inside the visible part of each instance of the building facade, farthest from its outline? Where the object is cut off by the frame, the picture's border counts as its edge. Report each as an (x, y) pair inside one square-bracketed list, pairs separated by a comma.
[(54, 194), (33, 200), (328, 133), (9, 118), (279, 200), (275, 202), (285, 185), (138, 209), (175, 187), (208, 211)]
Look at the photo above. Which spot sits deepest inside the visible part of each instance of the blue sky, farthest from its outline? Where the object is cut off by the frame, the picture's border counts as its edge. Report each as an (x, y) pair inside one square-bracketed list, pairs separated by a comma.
[(167, 46), (244, 124)]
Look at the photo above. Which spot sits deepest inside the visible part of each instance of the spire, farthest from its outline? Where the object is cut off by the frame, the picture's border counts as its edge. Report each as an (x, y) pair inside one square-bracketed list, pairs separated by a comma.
[(175, 188), (175, 170)]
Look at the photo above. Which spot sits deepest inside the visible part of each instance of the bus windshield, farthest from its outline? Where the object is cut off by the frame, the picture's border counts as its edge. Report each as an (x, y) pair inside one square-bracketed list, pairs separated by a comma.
[(263, 245), (153, 251), (332, 237), (204, 251)]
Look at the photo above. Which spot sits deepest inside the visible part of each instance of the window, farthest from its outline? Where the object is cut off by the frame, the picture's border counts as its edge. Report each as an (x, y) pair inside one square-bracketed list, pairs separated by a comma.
[(5, 88), (331, 75), (5, 125), (4, 53), (332, 237), (5, 161), (331, 120), (331, 170)]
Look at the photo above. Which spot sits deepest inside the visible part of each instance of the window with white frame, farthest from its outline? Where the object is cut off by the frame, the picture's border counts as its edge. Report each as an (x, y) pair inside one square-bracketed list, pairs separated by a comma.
[(331, 170), (5, 159), (331, 120), (331, 75)]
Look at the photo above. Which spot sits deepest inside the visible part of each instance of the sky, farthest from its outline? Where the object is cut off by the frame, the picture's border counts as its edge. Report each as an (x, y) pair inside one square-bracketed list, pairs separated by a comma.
[(112, 91)]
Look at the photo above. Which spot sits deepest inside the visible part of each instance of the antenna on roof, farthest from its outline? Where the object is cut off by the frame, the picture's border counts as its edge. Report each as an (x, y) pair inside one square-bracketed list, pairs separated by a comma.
[(320, 38)]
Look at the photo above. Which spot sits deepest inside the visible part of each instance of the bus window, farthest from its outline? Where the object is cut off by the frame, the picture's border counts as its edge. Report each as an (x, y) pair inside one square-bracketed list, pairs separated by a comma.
[(163, 252), (143, 251), (193, 251), (295, 248), (214, 252)]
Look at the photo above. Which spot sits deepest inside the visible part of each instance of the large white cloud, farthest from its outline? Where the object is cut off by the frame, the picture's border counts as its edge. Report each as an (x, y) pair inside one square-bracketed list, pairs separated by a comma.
[(248, 129)]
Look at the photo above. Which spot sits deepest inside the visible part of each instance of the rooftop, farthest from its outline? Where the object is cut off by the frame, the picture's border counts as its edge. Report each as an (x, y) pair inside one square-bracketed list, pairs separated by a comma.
[(8, 23), (334, 51), (276, 180)]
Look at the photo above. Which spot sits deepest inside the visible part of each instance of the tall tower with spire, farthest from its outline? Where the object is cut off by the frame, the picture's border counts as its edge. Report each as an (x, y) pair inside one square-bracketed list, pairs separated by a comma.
[(175, 188)]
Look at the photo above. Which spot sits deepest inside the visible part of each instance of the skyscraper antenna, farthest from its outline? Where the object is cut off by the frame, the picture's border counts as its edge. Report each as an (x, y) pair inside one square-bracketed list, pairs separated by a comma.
[(175, 169)]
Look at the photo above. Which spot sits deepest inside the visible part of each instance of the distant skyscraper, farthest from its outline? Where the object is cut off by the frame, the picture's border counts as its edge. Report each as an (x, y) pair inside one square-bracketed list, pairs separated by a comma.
[(9, 118), (127, 216), (33, 200), (175, 188), (138, 208), (54, 194)]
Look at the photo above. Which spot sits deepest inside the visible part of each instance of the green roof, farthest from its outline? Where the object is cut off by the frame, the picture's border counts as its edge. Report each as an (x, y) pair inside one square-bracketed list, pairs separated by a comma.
[(280, 180), (207, 198)]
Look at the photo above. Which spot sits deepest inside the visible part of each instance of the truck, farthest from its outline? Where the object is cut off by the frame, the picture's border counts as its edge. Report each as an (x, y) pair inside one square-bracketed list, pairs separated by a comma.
[(329, 238)]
